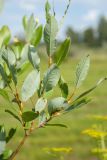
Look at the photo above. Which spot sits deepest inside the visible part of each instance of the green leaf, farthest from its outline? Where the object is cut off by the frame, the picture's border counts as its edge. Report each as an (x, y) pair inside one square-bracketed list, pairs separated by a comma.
[(33, 57), (77, 104), (24, 22), (49, 94), (13, 114), (47, 10), (82, 70), (51, 78), (8, 56), (11, 133), (2, 84), (37, 35), (40, 105), (30, 85), (62, 51), (57, 125), (40, 89), (24, 68), (32, 32), (24, 53), (42, 118), (17, 49), (30, 26), (29, 116), (63, 87), (2, 139), (56, 105), (10, 60), (6, 154), (50, 32), (91, 89), (4, 94), (2, 133), (5, 36), (3, 74), (23, 56), (13, 74)]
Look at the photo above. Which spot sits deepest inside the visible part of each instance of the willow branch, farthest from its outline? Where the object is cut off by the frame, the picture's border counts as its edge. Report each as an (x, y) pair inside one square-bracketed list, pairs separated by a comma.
[(26, 136), (18, 148)]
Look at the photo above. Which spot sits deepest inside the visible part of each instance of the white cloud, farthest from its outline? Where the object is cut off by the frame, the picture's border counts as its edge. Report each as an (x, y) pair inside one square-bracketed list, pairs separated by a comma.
[(91, 2), (91, 15), (27, 5)]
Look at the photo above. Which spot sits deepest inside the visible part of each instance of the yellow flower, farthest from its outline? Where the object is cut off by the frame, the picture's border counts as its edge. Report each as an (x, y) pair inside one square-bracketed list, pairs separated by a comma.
[(66, 150), (99, 150), (94, 133), (57, 149), (99, 117)]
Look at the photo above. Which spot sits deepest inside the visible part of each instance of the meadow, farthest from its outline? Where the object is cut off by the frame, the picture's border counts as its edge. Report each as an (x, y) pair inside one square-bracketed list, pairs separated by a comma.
[(76, 121)]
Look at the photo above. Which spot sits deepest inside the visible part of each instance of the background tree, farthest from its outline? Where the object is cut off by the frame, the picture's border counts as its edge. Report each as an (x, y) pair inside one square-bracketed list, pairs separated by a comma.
[(74, 36), (89, 37), (102, 30)]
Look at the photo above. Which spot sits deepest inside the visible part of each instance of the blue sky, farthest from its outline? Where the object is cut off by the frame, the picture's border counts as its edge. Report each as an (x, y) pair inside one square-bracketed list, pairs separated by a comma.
[(82, 13)]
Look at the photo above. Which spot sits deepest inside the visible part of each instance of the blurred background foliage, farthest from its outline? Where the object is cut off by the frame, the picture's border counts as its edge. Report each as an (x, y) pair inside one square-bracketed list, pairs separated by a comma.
[(91, 37)]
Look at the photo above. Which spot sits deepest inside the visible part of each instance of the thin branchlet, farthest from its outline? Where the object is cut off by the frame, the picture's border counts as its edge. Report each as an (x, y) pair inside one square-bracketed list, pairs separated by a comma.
[(26, 135), (54, 13), (65, 13), (67, 8)]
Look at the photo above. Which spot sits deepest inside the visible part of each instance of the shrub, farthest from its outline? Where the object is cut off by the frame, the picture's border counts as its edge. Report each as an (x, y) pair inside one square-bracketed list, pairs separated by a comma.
[(15, 59)]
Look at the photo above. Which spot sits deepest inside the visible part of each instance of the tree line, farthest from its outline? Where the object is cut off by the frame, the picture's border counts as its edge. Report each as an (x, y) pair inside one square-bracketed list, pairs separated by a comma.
[(91, 37)]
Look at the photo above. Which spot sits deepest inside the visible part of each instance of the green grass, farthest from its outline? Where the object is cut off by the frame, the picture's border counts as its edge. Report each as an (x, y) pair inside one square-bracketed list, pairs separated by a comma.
[(76, 121)]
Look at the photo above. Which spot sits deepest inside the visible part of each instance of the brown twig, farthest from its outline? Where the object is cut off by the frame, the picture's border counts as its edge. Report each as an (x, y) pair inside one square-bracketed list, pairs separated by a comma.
[(26, 136), (70, 98), (22, 142), (20, 104), (18, 148)]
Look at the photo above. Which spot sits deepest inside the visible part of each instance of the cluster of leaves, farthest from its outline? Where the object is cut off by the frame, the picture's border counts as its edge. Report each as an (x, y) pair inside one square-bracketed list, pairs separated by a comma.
[(4, 139), (15, 59)]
